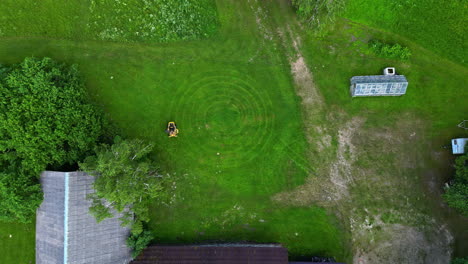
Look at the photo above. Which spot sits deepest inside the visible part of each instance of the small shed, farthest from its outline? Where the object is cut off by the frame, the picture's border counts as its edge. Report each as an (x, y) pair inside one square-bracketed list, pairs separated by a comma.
[(459, 145), (389, 84)]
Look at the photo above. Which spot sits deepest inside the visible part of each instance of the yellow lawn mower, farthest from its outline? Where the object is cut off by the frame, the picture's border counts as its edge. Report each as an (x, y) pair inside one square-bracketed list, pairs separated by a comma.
[(172, 130)]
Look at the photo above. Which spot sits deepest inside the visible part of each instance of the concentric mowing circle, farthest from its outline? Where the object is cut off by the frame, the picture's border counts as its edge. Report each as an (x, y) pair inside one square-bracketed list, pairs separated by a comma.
[(223, 118)]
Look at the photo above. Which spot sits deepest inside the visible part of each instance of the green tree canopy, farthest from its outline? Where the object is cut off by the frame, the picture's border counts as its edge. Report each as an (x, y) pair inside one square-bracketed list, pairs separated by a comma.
[(45, 118), (45, 121), (19, 197), (126, 178), (456, 195)]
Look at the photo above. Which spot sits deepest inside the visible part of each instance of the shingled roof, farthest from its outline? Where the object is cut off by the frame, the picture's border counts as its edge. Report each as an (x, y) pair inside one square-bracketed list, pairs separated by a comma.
[(67, 233), (214, 254)]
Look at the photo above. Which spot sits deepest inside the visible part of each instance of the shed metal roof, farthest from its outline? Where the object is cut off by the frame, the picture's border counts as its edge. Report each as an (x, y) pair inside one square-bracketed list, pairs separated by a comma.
[(67, 233), (379, 79)]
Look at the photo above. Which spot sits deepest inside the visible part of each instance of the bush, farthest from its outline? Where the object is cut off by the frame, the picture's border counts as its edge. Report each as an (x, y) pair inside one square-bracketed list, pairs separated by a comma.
[(318, 13), (139, 242), (45, 122), (456, 195), (385, 50), (459, 261)]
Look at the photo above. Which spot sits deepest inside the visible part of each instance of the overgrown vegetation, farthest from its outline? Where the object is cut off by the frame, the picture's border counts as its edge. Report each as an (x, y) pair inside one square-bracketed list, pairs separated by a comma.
[(123, 21), (460, 261), (158, 20), (138, 241), (385, 50), (127, 180), (457, 194), (397, 198), (45, 122), (318, 13)]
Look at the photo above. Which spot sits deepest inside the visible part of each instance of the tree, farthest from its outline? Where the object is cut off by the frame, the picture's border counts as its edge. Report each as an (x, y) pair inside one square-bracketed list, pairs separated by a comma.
[(126, 179), (19, 197), (45, 121), (45, 115), (456, 195)]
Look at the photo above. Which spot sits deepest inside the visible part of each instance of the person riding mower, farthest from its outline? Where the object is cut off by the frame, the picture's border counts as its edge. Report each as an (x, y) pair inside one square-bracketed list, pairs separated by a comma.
[(172, 130)]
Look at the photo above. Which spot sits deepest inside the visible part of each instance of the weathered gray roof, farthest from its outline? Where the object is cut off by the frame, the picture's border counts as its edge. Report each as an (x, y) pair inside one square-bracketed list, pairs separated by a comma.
[(379, 79), (67, 233), (378, 85)]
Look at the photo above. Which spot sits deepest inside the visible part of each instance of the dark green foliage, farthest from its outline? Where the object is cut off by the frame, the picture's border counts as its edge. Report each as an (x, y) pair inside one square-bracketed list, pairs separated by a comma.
[(459, 261), (44, 115), (137, 228), (45, 121), (20, 196), (385, 50), (457, 194), (126, 178), (138, 242), (318, 13)]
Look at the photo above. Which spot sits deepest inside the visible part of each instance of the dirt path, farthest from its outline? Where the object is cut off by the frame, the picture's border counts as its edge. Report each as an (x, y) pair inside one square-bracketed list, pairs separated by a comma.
[(348, 189)]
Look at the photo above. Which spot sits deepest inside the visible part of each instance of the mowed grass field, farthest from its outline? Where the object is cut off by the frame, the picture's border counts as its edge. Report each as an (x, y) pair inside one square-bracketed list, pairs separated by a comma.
[(232, 95), (17, 243)]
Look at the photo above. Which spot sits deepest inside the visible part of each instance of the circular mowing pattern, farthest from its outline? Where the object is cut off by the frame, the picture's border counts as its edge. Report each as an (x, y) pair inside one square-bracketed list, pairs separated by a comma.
[(223, 118)]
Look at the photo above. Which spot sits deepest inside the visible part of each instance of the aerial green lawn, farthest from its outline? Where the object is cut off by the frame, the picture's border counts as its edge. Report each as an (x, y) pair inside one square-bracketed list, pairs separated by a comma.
[(230, 90), (234, 101), (436, 25), (17, 242)]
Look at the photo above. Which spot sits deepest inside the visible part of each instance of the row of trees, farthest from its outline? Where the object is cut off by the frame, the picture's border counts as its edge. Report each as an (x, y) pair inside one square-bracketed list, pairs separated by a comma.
[(48, 122)]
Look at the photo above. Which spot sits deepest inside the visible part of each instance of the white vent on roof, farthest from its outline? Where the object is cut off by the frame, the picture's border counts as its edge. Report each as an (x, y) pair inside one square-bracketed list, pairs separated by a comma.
[(389, 71)]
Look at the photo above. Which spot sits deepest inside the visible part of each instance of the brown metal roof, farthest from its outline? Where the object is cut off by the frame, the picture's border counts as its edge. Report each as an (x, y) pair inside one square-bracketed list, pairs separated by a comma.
[(213, 254)]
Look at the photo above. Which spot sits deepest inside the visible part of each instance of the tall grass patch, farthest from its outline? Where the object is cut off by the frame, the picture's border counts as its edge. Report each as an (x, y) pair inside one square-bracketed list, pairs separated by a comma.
[(152, 20), (119, 20)]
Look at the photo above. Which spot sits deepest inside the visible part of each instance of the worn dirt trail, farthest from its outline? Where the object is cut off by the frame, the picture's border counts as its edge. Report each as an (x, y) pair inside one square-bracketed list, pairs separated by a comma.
[(335, 183)]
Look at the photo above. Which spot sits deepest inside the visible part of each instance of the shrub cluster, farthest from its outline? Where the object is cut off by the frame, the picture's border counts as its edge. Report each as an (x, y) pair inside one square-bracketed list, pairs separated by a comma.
[(456, 195), (139, 241), (385, 50)]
